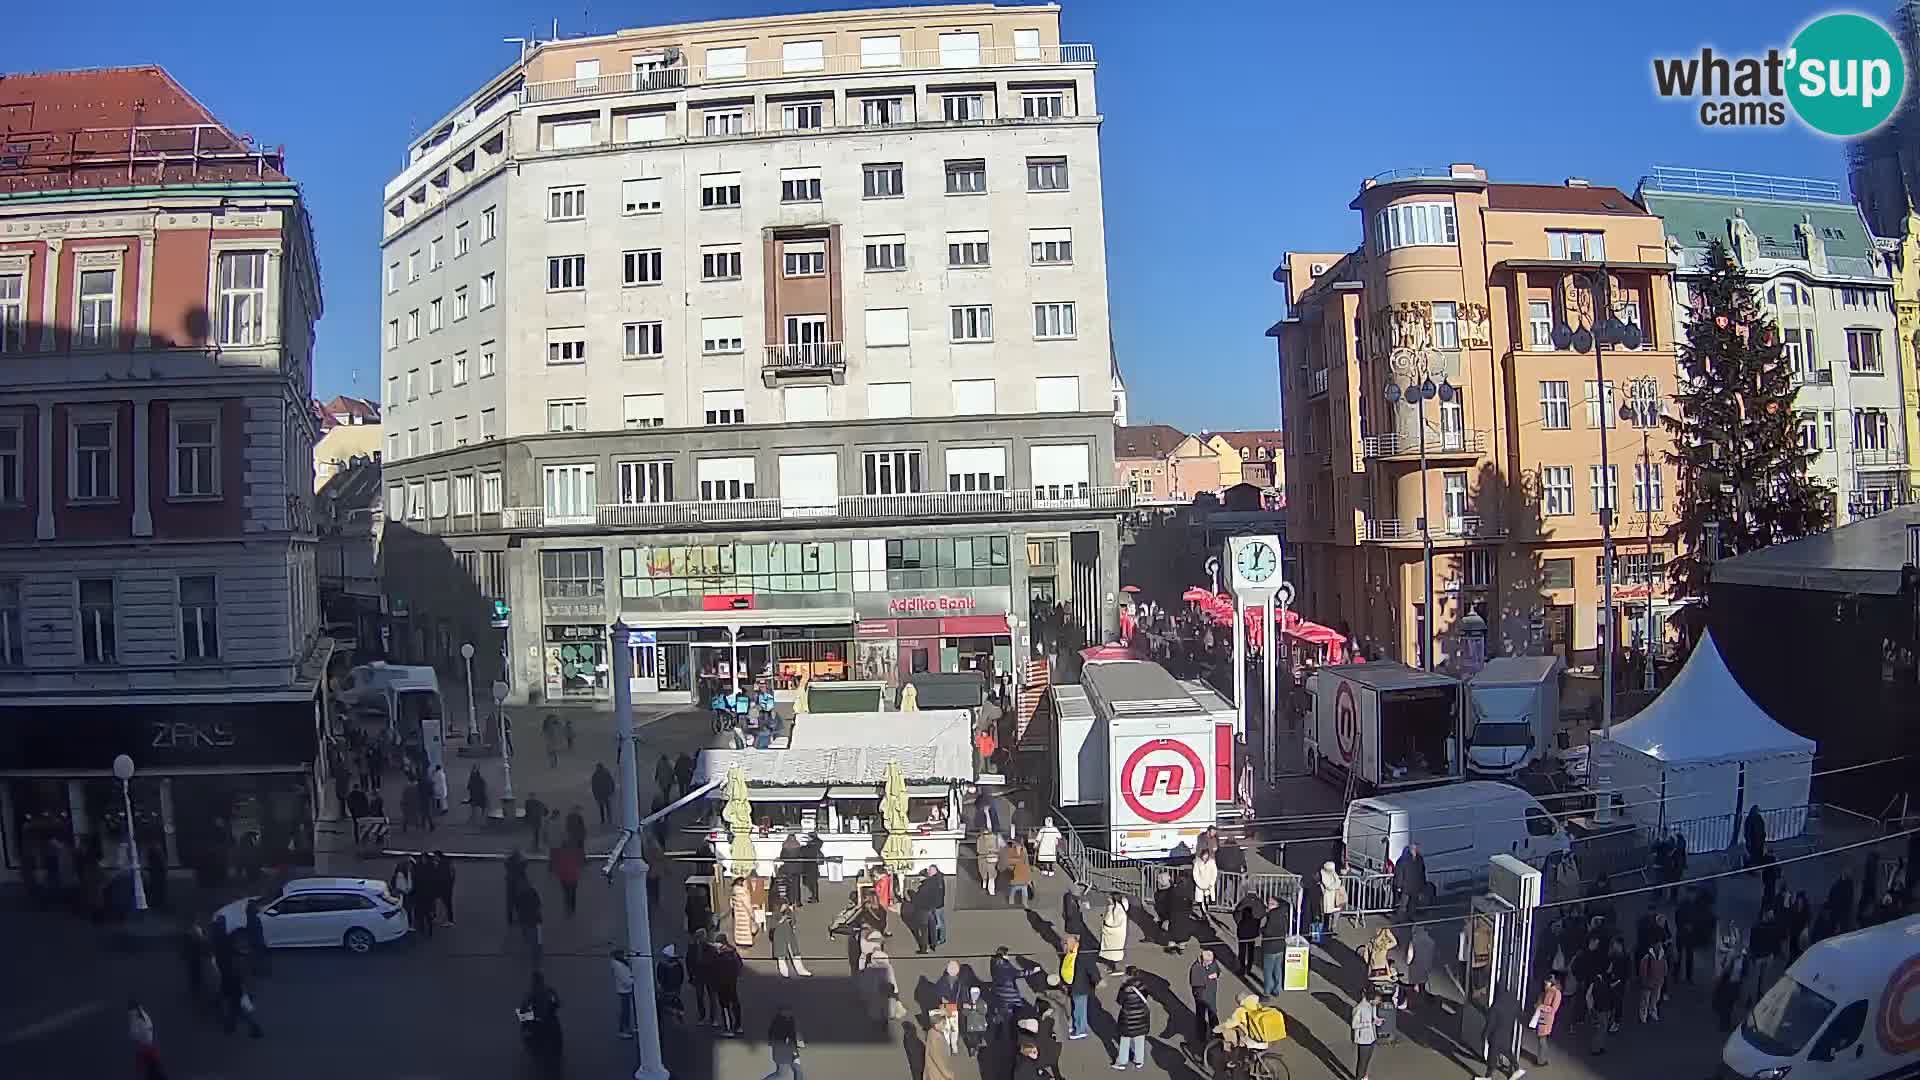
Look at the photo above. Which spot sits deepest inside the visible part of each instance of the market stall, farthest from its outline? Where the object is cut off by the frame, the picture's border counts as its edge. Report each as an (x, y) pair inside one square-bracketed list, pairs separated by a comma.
[(830, 783)]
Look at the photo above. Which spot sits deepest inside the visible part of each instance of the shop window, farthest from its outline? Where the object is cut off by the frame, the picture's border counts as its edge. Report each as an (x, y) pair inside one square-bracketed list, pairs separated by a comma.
[(572, 573)]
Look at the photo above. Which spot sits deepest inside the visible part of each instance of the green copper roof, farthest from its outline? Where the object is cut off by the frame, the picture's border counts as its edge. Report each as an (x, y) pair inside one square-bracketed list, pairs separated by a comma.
[(1695, 221)]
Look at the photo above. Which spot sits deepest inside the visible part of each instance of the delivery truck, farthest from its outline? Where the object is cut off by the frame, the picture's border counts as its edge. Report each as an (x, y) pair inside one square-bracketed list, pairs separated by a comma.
[(1384, 726), (1513, 713), (1845, 1010), (1139, 742)]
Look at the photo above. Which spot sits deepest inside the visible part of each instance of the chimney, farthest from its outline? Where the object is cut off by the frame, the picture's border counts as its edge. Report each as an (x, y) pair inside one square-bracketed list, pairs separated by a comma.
[(1578, 181)]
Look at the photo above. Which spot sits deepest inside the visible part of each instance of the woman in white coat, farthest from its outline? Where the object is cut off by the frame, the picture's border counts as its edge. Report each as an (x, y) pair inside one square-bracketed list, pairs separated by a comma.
[(1113, 931), (1206, 879), (1333, 893)]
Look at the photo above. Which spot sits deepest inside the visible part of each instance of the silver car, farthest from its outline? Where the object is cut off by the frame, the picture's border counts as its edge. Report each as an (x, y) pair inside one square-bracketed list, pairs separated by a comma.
[(324, 912)]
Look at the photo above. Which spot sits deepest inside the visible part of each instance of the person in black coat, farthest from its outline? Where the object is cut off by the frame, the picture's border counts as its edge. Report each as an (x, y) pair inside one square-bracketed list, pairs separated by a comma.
[(1135, 1021), (1755, 831), (1409, 881), (812, 853), (516, 867), (1073, 918), (1246, 931), (931, 899), (602, 785)]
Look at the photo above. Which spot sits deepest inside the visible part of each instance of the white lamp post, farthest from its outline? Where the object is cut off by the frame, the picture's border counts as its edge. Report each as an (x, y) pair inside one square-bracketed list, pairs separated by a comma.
[(123, 771), (473, 718), (506, 746)]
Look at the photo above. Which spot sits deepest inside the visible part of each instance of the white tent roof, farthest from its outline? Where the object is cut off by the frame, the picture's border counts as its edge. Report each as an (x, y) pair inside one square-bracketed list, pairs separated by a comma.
[(1704, 715), (854, 749)]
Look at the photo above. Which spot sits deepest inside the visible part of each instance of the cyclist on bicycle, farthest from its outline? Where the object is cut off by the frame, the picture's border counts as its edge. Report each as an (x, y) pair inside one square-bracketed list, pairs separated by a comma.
[(1251, 1029)]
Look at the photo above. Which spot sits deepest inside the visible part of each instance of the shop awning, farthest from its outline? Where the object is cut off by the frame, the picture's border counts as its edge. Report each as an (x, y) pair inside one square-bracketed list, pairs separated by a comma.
[(653, 620)]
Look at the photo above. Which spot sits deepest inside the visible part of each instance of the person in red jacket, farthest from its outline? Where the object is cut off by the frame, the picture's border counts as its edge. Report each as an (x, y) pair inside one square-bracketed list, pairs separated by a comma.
[(566, 863)]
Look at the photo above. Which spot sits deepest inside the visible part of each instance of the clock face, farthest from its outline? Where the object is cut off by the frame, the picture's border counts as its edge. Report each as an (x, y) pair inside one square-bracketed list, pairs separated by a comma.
[(1257, 561)]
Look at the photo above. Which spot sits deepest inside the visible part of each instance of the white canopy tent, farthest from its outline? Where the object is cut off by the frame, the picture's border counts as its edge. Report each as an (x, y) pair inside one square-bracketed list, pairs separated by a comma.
[(1702, 755)]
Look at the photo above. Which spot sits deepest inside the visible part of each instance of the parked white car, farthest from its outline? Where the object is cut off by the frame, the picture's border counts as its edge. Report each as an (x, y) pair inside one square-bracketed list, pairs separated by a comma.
[(324, 912)]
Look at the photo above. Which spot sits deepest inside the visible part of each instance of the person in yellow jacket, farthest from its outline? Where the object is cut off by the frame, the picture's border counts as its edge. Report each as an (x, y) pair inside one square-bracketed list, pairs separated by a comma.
[(1253, 1027)]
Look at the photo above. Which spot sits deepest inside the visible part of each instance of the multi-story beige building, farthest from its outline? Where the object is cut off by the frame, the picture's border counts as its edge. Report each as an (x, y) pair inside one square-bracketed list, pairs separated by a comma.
[(714, 326), (1473, 282)]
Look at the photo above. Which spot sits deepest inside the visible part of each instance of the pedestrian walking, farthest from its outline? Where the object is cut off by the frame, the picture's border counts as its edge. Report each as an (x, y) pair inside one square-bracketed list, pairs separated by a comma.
[(257, 952), (1046, 847), (1205, 876), (437, 781), (743, 918), (1247, 916), (723, 975), (784, 933), (576, 828), (146, 1052), (443, 884), (1273, 948), (663, 775), (784, 1042), (602, 785), (516, 871), (1607, 994), (1073, 915), (683, 779), (527, 914), (569, 730), (1365, 1025), (401, 883), (566, 864), (1113, 931), (669, 975), (535, 812), (1136, 1019), (1653, 979), (550, 730), (235, 1001), (976, 1018), (933, 886), (340, 785), (423, 793), (1078, 974), (356, 807), (1545, 1009), (622, 991), (1754, 831), (1013, 860), (1409, 882), (986, 851), (476, 797), (1203, 978)]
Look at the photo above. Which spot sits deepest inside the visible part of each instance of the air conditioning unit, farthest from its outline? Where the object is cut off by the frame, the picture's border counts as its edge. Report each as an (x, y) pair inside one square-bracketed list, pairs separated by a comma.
[(1316, 269)]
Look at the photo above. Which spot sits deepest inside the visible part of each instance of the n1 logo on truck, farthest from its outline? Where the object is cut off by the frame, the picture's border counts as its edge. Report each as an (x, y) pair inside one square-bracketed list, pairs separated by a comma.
[(1346, 720), (1163, 780)]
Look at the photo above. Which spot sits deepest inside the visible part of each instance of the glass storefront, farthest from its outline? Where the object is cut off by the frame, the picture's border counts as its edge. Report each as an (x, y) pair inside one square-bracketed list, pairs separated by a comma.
[(242, 824), (578, 665), (844, 566)]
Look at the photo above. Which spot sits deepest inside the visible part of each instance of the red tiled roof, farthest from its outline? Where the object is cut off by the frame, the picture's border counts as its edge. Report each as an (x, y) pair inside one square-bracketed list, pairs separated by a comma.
[(77, 129), (342, 405), (1557, 197), (1146, 440)]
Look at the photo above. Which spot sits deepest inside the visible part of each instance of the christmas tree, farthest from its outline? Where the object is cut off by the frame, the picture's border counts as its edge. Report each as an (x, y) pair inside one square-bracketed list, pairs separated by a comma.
[(1742, 465)]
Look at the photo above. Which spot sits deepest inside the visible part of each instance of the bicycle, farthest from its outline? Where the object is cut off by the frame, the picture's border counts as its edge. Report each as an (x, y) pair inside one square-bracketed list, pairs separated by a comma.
[(1257, 1063)]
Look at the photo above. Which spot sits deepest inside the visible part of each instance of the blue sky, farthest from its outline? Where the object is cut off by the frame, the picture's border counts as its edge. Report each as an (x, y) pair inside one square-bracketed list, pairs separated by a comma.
[(1226, 141)]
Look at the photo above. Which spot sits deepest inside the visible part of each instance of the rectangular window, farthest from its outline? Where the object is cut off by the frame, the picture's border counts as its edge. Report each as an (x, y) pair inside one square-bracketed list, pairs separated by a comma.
[(725, 121), (1576, 246), (433, 315), (393, 391), (1870, 431), (1056, 393), (803, 56), (727, 63), (973, 322), (803, 258), (99, 304), (567, 345), (1554, 414), (566, 272), (882, 181), (1479, 568), (488, 365), (569, 493), (967, 177), (393, 333), (966, 249), (890, 472), (1810, 430), (886, 253), (571, 135), (959, 50), (889, 399), (719, 190), (1863, 353), (804, 404), (413, 266), (487, 294), (1415, 224), (460, 368), (888, 327), (462, 238), (1060, 472), (397, 502), (1600, 406), (1647, 494), (1026, 44), (1051, 321), (800, 185), (959, 108), (1643, 405), (413, 442), (433, 253), (1556, 490), (460, 303), (725, 479), (640, 267), (12, 651), (884, 111), (641, 196), (723, 334), (96, 621), (1540, 325), (463, 495), (1043, 106), (196, 452), (243, 297), (393, 278), (977, 468), (973, 397), (1604, 489), (802, 116), (569, 414), (12, 476), (647, 127), (724, 406), (413, 384), (492, 488), (566, 203), (643, 341), (413, 325), (1556, 573), (437, 501), (643, 410), (880, 51), (1050, 247), (489, 223), (13, 312), (437, 439), (1046, 174), (462, 430), (93, 474), (1826, 429), (810, 333), (645, 482), (1446, 325)]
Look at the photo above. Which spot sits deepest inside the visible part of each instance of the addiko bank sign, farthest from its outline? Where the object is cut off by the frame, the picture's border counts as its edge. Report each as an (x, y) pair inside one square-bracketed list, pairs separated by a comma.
[(933, 603)]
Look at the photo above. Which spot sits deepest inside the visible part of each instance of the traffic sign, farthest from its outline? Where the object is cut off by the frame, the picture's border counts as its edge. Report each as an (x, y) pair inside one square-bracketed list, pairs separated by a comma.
[(1163, 780)]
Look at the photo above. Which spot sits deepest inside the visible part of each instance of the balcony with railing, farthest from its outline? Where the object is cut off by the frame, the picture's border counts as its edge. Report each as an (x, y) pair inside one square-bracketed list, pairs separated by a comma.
[(1815, 376), (684, 75), (913, 506), (1440, 444), (805, 358), (1407, 530), (1892, 455)]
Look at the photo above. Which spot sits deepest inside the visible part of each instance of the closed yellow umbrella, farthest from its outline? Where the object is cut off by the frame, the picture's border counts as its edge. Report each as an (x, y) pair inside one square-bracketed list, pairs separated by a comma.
[(738, 814), (897, 852), (800, 698), (909, 698)]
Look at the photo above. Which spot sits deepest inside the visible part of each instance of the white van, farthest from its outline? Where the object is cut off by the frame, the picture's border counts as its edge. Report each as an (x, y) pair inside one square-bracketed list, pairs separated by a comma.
[(1846, 1010), (1459, 827)]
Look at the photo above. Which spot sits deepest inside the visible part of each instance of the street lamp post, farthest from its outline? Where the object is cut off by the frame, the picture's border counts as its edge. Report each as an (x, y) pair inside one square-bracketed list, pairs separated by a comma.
[(1644, 409), (1602, 330), (1414, 366), (631, 867), (123, 771), (473, 718)]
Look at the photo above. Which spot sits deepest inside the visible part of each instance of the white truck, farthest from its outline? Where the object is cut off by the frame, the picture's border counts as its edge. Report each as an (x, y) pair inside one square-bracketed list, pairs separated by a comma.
[(1847, 1009), (1513, 710), (1133, 738), (1386, 726)]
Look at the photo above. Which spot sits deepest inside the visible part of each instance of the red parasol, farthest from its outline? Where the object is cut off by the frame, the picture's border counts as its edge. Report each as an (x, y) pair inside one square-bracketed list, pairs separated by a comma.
[(1114, 651), (1195, 595), (1130, 588)]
